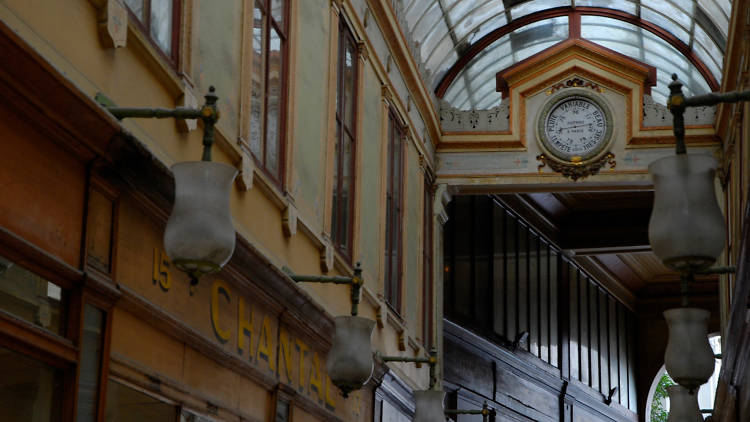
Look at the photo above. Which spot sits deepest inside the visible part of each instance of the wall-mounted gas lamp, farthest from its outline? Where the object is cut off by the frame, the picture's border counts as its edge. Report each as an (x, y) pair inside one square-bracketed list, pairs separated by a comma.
[(687, 233), (199, 236), (350, 361)]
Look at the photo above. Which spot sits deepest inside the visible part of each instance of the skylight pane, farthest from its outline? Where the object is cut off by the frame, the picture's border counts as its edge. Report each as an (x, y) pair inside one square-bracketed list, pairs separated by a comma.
[(530, 7), (479, 75), (716, 14), (623, 5), (473, 19), (415, 10), (644, 46), (427, 22), (681, 12), (665, 23)]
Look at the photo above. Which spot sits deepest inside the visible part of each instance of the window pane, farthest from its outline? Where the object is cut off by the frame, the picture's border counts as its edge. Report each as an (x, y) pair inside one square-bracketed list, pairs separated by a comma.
[(336, 198), (135, 6), (161, 24), (282, 411), (91, 353), (29, 390), (258, 82), (31, 297), (350, 66), (125, 404), (277, 12), (346, 191), (273, 119)]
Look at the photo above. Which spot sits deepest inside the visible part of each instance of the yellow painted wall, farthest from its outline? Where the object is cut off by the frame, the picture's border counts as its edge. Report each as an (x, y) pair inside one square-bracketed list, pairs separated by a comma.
[(64, 32)]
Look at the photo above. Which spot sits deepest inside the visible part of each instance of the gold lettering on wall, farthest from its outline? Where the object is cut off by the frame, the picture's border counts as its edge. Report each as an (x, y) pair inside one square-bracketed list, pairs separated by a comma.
[(219, 288), (316, 384), (275, 348), (161, 274), (244, 327), (302, 348), (285, 354), (265, 348)]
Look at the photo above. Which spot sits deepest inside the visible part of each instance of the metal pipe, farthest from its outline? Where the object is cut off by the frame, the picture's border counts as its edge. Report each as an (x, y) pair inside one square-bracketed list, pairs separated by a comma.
[(156, 113), (321, 279), (209, 114), (355, 281), (729, 269), (485, 411)]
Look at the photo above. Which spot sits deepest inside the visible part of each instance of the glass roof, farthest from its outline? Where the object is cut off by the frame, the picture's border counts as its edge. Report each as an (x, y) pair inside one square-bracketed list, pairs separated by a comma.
[(443, 30)]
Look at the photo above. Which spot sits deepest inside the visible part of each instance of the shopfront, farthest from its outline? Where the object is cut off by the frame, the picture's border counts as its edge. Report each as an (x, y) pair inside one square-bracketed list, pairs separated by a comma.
[(95, 324)]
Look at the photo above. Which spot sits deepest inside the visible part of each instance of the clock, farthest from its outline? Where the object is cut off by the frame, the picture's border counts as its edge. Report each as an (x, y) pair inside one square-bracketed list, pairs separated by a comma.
[(575, 127)]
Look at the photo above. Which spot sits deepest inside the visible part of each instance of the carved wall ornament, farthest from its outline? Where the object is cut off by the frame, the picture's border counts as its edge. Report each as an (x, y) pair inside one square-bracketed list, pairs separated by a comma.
[(658, 115), (496, 119), (112, 22), (575, 82), (580, 170)]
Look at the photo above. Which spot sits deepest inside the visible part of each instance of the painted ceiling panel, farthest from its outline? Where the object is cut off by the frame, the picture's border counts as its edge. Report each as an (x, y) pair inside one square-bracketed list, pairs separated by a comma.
[(443, 30)]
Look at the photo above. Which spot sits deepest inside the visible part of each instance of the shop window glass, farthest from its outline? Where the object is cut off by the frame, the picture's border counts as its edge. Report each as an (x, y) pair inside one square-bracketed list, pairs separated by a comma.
[(30, 297), (125, 404), (282, 411), (90, 365), (29, 390)]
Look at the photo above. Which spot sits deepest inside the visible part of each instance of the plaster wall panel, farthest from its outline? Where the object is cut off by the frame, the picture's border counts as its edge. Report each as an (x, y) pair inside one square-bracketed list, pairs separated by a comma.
[(411, 228), (217, 382), (310, 109), (371, 194), (140, 342), (217, 61), (43, 187)]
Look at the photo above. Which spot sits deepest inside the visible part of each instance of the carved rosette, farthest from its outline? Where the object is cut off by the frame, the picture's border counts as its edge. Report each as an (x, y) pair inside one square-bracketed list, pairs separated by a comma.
[(575, 170)]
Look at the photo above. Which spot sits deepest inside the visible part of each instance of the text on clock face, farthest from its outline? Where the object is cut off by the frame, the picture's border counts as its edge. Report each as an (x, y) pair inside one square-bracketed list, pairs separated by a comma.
[(575, 126)]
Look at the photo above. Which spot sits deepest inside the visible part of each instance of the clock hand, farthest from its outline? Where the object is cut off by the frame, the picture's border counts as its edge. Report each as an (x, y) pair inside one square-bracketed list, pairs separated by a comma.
[(572, 127)]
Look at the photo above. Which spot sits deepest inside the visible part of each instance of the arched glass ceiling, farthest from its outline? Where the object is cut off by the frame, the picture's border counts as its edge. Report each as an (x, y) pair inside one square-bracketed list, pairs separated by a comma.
[(475, 85), (443, 30), (643, 45)]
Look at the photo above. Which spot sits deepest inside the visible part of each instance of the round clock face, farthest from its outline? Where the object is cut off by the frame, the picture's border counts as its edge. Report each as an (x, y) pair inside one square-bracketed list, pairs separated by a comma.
[(575, 127)]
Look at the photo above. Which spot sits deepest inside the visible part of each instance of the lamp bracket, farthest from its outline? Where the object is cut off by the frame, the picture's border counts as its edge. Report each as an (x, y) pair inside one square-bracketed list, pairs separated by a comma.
[(520, 340), (677, 103), (485, 411), (608, 397), (355, 281), (431, 360), (209, 114)]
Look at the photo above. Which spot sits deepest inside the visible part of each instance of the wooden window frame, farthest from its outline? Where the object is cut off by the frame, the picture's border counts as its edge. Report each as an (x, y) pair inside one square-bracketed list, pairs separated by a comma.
[(61, 352), (427, 265), (145, 28), (270, 22), (394, 214), (346, 39)]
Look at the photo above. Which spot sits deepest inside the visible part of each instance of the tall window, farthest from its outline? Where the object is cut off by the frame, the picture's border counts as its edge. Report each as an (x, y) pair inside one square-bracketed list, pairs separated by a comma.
[(160, 21), (394, 213), (427, 289), (267, 103), (343, 169)]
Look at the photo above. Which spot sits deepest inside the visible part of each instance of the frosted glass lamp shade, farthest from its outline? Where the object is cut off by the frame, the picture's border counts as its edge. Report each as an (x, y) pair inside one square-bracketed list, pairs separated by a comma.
[(683, 406), (349, 361), (688, 358), (199, 237), (429, 406), (686, 230)]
